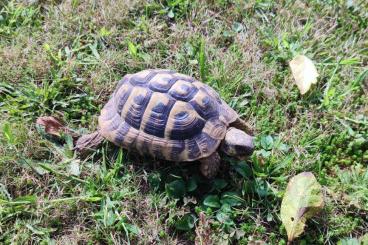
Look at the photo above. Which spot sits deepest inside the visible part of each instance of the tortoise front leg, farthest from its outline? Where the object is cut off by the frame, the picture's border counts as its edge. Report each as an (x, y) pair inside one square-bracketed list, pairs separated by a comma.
[(210, 165)]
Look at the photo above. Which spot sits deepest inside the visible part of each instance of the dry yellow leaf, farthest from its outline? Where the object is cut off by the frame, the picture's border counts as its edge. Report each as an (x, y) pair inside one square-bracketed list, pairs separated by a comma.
[(302, 200), (304, 72)]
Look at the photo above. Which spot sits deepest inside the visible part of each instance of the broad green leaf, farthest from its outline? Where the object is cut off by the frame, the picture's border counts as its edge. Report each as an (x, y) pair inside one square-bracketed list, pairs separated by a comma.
[(35, 230), (132, 49), (8, 133), (93, 48), (104, 32), (263, 188), (133, 229), (110, 218), (176, 189), (302, 200), (225, 208), (224, 218), (192, 185), (224, 215), (237, 27), (185, 223), (231, 198), (154, 180), (267, 142), (264, 153), (69, 143), (219, 184), (364, 239), (304, 72), (171, 14), (349, 241), (29, 199), (212, 201), (244, 170)]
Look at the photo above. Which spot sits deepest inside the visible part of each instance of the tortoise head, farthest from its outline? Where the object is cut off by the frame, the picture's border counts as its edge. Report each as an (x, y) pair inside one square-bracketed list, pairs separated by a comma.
[(237, 143)]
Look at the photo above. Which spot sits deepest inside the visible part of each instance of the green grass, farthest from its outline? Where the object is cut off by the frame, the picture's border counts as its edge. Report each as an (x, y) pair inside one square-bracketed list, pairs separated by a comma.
[(63, 58)]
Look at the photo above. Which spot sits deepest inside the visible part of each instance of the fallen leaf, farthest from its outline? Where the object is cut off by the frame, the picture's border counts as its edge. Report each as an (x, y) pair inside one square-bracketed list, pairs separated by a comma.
[(304, 72), (74, 168), (302, 200), (51, 124)]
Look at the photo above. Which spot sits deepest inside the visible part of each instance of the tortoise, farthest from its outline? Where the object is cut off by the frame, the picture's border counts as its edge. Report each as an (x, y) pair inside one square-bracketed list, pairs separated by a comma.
[(171, 116)]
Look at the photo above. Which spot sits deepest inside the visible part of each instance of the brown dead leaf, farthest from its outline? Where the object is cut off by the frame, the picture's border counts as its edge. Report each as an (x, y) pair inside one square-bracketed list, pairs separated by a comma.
[(52, 126)]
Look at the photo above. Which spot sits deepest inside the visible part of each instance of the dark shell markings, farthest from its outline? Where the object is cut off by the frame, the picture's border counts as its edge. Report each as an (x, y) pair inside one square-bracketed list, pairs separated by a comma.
[(166, 115)]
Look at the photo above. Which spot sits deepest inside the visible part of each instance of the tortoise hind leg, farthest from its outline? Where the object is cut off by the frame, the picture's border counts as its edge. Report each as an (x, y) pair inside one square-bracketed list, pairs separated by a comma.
[(88, 142), (210, 165)]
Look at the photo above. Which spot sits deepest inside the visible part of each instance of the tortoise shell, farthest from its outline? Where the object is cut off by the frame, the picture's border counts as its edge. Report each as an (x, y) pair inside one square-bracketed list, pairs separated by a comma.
[(166, 115)]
